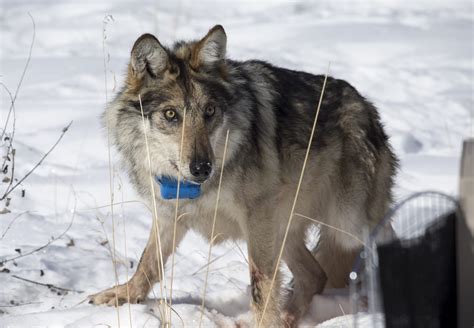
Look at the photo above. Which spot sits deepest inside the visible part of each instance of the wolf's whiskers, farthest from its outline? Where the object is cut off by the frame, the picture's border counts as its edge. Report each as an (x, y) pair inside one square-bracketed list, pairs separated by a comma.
[(290, 219), (213, 226), (159, 255)]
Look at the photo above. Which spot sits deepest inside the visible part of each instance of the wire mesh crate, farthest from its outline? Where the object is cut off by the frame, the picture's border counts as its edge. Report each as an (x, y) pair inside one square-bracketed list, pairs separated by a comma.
[(405, 224)]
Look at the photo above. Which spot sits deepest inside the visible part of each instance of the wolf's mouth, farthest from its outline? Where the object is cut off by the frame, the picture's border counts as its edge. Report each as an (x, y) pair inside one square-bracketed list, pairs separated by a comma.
[(188, 179)]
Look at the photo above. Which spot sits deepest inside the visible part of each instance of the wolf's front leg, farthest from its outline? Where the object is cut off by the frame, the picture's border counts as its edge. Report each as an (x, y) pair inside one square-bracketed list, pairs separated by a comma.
[(262, 236), (148, 272)]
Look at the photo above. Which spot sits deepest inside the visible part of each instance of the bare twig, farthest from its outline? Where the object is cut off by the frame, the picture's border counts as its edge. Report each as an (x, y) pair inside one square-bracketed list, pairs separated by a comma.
[(11, 223), (12, 170), (10, 148), (54, 239), (19, 304), (21, 78), (10, 142), (9, 190), (12, 108), (51, 286)]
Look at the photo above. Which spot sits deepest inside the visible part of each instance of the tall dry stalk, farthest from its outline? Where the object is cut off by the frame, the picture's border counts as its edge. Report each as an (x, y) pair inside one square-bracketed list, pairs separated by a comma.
[(347, 233), (290, 219), (118, 203), (125, 253), (176, 210), (211, 241), (106, 20), (159, 252)]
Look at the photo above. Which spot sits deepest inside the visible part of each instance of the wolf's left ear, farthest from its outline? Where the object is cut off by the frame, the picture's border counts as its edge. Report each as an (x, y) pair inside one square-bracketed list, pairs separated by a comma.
[(148, 55), (211, 48)]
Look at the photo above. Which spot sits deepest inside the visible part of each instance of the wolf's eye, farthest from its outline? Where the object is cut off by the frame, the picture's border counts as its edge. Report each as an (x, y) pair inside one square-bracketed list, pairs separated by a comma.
[(210, 110), (170, 114)]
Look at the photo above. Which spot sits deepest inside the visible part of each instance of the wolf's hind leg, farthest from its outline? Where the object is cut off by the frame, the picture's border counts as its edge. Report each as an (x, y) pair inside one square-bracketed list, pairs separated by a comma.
[(308, 279), (148, 272), (336, 253)]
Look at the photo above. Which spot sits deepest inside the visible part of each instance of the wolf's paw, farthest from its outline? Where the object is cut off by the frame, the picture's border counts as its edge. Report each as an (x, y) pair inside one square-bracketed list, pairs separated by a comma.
[(289, 319), (117, 296), (292, 310)]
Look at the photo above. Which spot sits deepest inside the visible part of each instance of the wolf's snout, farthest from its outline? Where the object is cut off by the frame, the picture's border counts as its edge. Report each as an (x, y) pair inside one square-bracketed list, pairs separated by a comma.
[(201, 170)]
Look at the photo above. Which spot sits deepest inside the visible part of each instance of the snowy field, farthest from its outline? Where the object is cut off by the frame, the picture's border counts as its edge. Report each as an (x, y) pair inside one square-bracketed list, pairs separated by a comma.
[(413, 59)]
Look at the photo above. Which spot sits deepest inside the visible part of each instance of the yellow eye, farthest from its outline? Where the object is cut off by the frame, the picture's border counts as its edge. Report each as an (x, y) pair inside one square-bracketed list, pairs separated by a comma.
[(170, 114), (210, 110)]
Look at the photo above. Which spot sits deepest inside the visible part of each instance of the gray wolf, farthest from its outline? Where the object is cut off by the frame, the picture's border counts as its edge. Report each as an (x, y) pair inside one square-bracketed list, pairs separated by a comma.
[(269, 112)]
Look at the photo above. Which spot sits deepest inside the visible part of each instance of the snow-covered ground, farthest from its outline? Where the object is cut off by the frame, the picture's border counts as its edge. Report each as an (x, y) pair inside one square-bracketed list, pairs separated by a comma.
[(413, 59)]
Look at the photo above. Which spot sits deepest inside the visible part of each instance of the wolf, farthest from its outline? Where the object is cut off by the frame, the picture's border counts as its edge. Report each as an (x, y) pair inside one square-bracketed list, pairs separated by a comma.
[(192, 92)]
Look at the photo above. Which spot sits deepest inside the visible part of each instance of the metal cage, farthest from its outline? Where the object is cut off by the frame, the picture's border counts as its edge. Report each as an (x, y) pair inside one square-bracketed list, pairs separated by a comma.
[(409, 220)]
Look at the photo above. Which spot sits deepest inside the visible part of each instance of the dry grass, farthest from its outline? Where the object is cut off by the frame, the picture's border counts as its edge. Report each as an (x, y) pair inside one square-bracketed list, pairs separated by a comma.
[(176, 210), (290, 219), (335, 228), (106, 20), (126, 257), (159, 255), (213, 227), (166, 312), (118, 203)]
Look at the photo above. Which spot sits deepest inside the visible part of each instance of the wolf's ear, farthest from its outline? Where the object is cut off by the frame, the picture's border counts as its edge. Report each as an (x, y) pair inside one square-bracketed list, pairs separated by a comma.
[(211, 48), (148, 55)]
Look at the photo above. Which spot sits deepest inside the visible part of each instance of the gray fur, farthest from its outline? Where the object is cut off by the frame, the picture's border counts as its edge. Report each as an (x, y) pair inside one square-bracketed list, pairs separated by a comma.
[(269, 112)]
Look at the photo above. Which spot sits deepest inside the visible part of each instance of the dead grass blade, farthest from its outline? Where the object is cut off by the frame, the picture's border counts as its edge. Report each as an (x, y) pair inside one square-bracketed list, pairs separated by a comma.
[(156, 226), (176, 210), (290, 219), (335, 228), (213, 226), (106, 20)]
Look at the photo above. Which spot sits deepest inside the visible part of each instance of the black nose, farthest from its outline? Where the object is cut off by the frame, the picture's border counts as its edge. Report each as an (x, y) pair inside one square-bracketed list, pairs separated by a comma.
[(201, 170)]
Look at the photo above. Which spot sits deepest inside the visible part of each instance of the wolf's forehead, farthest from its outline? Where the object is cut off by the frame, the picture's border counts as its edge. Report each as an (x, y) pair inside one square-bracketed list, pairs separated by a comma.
[(184, 50), (174, 94)]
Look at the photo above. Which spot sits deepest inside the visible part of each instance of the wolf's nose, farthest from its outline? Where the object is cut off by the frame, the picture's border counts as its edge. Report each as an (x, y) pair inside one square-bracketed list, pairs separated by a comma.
[(201, 170)]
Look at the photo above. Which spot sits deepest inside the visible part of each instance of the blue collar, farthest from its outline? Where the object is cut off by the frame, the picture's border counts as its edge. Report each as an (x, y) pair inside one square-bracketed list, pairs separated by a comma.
[(169, 188)]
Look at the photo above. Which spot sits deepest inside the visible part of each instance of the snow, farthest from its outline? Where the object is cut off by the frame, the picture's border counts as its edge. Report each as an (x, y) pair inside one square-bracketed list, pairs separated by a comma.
[(413, 59)]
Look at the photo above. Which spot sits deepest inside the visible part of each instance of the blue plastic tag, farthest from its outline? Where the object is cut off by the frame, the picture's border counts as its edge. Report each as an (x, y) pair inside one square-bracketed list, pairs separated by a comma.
[(169, 188)]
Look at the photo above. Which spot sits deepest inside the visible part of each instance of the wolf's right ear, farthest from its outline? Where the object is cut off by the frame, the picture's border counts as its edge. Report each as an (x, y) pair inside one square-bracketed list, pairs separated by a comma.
[(211, 48), (148, 56)]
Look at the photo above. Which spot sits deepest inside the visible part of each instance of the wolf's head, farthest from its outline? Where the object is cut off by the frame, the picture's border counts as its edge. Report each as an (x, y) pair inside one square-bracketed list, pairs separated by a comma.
[(180, 87)]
